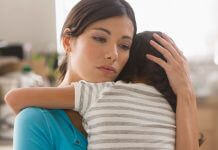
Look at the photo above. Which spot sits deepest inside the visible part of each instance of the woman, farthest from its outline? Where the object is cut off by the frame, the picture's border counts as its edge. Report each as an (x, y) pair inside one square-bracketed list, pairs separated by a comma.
[(135, 114), (110, 50), (95, 34)]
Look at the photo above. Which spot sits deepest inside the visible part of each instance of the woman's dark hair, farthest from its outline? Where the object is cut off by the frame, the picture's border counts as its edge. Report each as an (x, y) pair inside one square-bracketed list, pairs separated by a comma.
[(139, 68), (87, 12)]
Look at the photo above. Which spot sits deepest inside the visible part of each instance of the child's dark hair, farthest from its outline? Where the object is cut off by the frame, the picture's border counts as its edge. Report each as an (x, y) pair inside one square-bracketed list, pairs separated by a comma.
[(139, 68)]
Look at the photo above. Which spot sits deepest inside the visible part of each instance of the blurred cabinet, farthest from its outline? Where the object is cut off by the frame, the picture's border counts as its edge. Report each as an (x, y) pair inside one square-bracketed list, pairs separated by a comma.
[(208, 123)]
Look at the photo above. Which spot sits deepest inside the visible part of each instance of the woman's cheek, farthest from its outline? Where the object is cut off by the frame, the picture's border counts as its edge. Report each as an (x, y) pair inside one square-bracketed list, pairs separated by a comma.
[(93, 52), (124, 59)]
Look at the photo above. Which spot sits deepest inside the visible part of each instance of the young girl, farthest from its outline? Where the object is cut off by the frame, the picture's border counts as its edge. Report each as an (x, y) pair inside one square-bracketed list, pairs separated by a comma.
[(139, 114)]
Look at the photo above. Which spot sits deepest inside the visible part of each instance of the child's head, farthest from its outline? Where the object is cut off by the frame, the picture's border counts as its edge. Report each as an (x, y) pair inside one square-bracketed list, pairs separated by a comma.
[(140, 69)]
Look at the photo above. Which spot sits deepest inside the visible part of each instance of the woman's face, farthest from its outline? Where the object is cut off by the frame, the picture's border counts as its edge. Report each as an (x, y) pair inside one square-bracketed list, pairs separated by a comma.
[(101, 51)]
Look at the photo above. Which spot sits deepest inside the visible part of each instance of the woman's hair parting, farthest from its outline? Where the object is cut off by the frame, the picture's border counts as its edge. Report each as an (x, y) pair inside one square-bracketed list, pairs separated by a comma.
[(87, 12)]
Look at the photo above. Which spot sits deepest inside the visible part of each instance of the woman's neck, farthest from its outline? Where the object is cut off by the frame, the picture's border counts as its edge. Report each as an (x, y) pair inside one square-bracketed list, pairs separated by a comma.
[(74, 116), (68, 79)]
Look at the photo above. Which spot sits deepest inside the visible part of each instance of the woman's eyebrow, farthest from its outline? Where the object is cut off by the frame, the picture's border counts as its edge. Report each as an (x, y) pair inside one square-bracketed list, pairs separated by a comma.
[(127, 37), (103, 29), (109, 33)]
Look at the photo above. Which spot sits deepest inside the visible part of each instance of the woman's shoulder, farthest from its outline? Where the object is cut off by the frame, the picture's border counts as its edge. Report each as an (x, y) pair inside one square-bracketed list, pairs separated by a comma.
[(40, 117), (47, 125), (34, 114), (31, 114), (32, 117)]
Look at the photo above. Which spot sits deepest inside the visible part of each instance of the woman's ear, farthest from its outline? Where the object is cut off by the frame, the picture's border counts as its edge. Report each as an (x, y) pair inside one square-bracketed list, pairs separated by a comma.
[(67, 41)]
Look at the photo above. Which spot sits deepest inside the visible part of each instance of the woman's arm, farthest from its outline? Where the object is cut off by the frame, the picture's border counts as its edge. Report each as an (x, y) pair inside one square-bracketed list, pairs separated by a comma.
[(46, 97), (176, 68), (187, 132)]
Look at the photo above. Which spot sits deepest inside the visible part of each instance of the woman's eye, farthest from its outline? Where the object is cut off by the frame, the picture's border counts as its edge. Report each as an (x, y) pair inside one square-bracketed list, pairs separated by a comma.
[(99, 39), (124, 46)]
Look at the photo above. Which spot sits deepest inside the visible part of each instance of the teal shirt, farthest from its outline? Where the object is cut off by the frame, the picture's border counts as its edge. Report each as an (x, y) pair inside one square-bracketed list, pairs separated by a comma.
[(45, 129)]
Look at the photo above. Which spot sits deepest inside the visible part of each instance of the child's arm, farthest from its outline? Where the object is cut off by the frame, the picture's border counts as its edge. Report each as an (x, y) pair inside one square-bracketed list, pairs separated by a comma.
[(47, 97)]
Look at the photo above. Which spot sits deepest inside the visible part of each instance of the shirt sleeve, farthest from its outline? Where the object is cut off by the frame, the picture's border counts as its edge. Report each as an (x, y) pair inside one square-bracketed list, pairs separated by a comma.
[(87, 94), (31, 131)]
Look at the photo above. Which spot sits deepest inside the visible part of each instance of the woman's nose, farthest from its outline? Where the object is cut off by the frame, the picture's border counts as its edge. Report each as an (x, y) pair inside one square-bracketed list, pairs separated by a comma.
[(112, 54)]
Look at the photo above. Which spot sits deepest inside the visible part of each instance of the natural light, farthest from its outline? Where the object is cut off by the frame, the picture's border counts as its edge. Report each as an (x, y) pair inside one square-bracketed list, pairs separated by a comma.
[(191, 23)]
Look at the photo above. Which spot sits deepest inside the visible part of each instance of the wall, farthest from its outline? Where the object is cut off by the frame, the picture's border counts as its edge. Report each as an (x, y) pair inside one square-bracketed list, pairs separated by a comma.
[(29, 21)]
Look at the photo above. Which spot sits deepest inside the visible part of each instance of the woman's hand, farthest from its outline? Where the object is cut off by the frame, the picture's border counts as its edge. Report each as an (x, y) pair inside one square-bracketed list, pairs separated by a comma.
[(176, 66)]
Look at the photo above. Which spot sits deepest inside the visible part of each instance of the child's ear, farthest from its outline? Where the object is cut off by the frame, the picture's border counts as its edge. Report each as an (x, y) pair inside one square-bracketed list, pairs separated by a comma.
[(67, 41)]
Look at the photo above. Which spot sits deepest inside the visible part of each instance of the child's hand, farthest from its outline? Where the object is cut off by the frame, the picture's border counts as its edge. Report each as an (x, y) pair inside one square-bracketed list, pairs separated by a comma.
[(176, 66)]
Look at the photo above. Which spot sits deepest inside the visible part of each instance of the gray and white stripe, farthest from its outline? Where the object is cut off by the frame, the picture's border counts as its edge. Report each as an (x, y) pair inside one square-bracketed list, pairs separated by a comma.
[(125, 116)]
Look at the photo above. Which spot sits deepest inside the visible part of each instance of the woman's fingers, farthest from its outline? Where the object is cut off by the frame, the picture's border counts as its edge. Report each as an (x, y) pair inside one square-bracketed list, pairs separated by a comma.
[(167, 38), (162, 41), (176, 66), (166, 53), (166, 43), (159, 61)]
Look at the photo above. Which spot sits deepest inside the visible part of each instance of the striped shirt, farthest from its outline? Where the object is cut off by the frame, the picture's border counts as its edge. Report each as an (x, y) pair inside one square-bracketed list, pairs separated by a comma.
[(121, 116)]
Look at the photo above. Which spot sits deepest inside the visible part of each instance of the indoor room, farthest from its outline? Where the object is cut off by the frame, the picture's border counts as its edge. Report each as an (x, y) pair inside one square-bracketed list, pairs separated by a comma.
[(32, 48)]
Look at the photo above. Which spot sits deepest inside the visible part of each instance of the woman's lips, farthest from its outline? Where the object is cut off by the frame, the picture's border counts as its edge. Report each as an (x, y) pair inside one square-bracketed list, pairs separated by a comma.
[(107, 69)]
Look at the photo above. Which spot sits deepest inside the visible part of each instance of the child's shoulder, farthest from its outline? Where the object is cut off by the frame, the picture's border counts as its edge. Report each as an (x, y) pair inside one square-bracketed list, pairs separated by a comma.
[(137, 86), (94, 83)]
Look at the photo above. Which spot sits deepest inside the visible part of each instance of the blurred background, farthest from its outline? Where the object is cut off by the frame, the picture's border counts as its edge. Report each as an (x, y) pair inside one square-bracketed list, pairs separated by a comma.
[(30, 49)]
